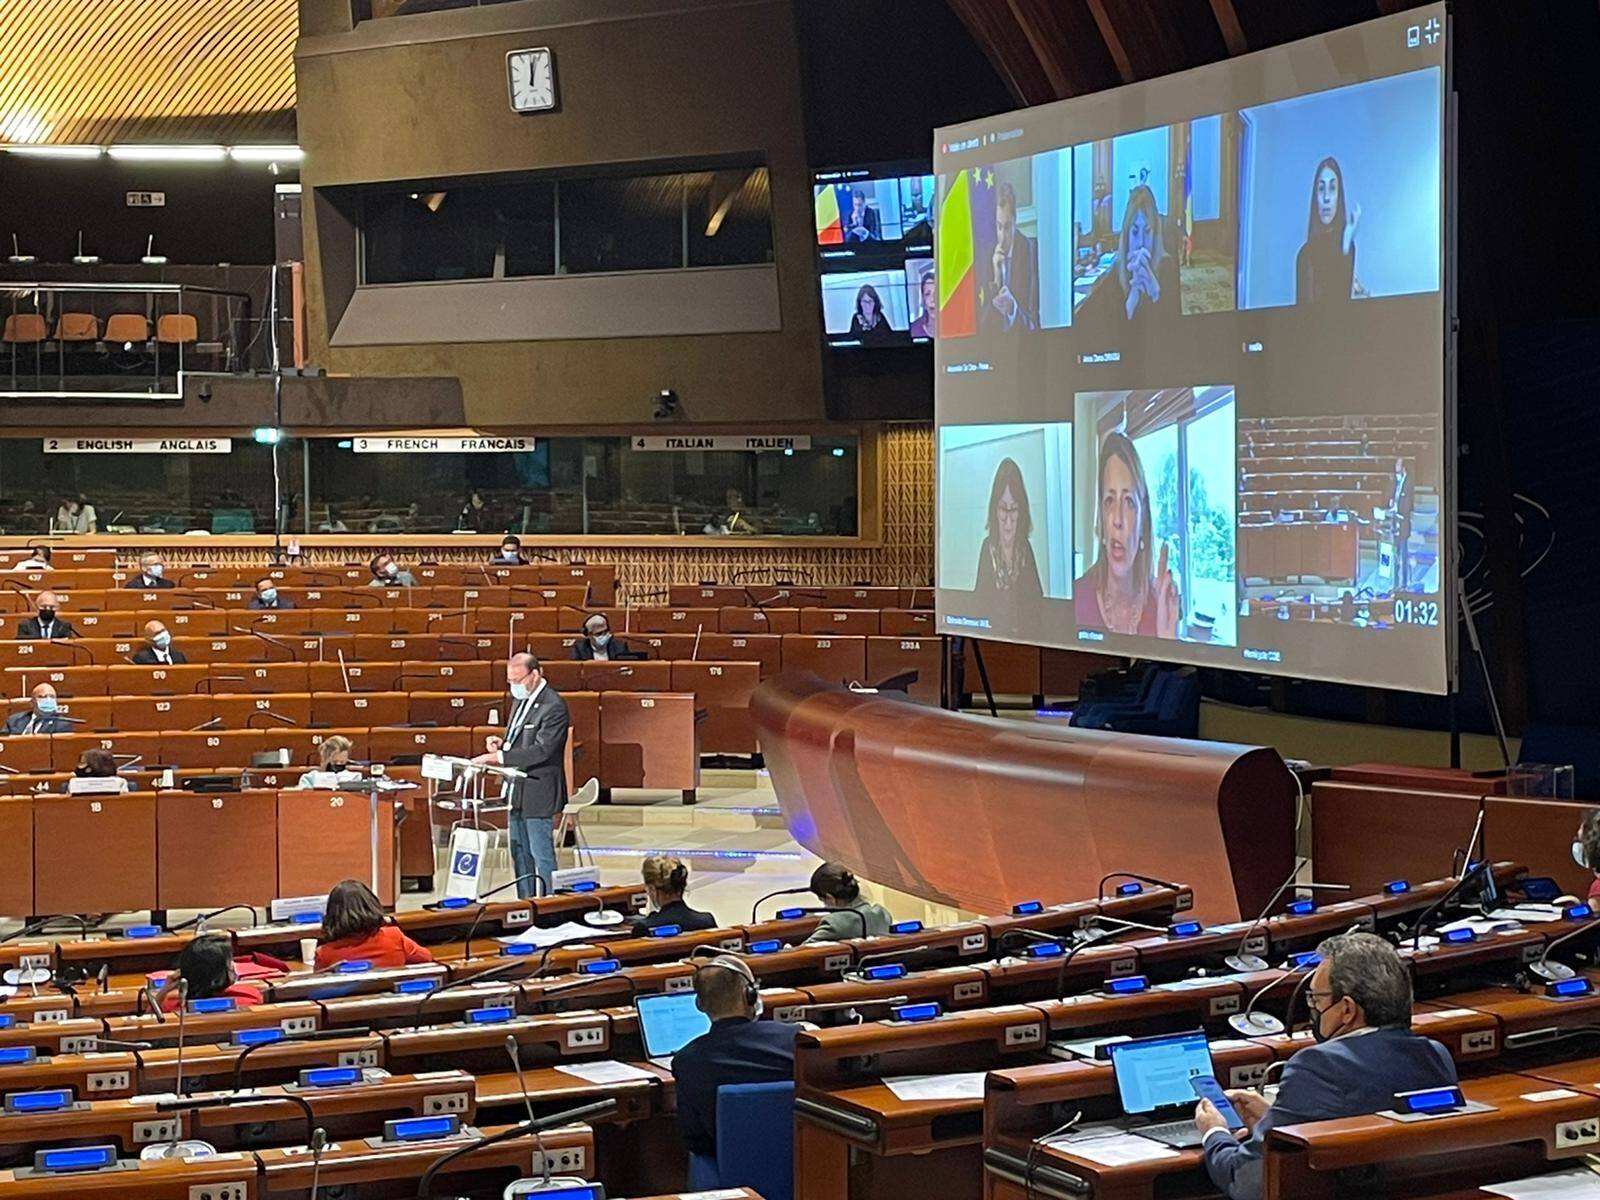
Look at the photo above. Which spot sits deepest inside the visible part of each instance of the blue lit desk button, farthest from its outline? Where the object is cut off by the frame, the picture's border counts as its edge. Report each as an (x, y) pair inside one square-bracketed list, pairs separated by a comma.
[(1128, 985), (54, 1100), (1396, 887), (416, 987), (1568, 989), (73, 1159), (1300, 908), (764, 946), (790, 914), (421, 1129), (257, 1037), (599, 966), (1027, 908), (1129, 889), (1046, 950), (926, 1011), (879, 972), (906, 927), (1184, 929), (491, 1016), (323, 1077)]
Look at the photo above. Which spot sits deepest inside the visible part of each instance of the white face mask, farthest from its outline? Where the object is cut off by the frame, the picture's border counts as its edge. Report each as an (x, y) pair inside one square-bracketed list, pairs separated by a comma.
[(521, 690), (1579, 857), (391, 568)]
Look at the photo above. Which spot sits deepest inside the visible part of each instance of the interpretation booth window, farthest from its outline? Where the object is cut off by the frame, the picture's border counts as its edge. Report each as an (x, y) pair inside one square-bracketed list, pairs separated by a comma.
[(586, 485), (530, 225)]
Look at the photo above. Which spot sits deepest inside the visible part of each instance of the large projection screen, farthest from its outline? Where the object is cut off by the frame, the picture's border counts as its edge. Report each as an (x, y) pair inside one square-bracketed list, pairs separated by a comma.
[(1194, 395)]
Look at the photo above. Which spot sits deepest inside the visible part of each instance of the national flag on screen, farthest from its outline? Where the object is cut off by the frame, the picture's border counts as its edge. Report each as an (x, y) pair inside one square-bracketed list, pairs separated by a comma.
[(1188, 205), (966, 216), (830, 227)]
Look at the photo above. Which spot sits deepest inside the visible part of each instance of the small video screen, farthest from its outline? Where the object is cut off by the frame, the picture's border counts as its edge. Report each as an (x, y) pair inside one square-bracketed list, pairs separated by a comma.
[(875, 255), (1005, 246), (866, 308), (1005, 523), (1341, 194), (1339, 519), (1155, 515)]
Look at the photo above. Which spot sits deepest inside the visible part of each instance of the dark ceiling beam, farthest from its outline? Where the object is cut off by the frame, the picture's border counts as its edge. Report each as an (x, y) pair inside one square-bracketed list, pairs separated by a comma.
[(996, 32), (1113, 40), (1228, 22), (1044, 40)]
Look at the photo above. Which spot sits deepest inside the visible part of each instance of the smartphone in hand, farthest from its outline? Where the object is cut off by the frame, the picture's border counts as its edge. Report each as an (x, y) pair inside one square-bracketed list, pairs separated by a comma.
[(1207, 1088)]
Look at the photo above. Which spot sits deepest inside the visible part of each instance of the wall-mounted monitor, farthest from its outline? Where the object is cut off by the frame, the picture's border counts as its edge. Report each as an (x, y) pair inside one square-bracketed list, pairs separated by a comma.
[(874, 230), (1193, 391)]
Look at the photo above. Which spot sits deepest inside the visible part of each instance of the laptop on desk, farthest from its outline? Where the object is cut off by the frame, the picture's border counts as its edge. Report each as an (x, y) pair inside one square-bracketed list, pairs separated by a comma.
[(669, 1023), (1153, 1082)]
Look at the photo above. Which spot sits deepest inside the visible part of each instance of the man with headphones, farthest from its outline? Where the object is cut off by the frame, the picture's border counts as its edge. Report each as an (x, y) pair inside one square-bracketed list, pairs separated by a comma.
[(737, 1048)]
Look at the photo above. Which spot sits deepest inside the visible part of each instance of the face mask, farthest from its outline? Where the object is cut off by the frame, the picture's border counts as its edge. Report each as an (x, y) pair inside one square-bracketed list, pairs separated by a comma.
[(269, 596), (509, 555), (45, 704), (1316, 1024), (81, 772), (760, 1008), (1579, 857), (339, 766), (162, 640), (521, 690), (155, 570), (602, 639), (47, 614), (391, 569)]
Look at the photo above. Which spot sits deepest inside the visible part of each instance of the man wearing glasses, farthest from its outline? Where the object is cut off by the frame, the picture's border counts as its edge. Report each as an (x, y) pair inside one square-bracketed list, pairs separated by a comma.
[(1360, 1002)]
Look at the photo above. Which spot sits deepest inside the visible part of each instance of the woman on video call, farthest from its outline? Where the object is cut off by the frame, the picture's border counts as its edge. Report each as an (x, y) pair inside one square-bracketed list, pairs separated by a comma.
[(1008, 590), (869, 324), (1142, 285), (1118, 593), (1325, 268)]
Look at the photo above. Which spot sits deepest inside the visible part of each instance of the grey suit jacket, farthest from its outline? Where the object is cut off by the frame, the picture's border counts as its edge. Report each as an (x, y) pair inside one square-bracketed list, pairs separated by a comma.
[(538, 747)]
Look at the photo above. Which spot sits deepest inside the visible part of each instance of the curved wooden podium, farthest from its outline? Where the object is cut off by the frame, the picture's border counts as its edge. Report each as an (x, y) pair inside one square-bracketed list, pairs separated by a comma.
[(982, 813)]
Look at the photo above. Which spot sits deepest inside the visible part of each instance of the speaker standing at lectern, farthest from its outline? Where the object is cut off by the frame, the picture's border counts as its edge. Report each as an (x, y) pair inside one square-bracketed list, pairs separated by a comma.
[(535, 743)]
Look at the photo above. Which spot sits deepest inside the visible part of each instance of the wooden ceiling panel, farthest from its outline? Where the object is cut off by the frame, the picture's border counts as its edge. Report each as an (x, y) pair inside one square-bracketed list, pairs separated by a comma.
[(107, 71)]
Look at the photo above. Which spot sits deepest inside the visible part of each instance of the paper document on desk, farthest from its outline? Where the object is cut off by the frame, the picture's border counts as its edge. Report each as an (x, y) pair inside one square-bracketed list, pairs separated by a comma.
[(603, 1073), (1575, 1183), (1538, 914), (962, 1085), (1111, 1148), (569, 931)]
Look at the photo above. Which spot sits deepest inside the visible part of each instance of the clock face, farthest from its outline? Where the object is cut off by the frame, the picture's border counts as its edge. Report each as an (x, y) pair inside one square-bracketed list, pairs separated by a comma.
[(531, 77)]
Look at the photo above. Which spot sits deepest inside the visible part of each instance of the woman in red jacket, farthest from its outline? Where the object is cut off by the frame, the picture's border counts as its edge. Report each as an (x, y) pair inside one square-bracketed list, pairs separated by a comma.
[(206, 964), (355, 928)]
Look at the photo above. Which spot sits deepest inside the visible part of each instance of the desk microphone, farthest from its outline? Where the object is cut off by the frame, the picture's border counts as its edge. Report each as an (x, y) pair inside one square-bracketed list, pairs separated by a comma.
[(588, 981), (183, 1012), (493, 973), (1554, 972), (1461, 882), (103, 977), (199, 923), (233, 1100), (515, 1053), (577, 941), (582, 1112), (1251, 1023), (267, 712), (504, 887), (1105, 879), (1245, 963), (310, 1035), (319, 1143), (210, 683), (794, 891), (213, 723)]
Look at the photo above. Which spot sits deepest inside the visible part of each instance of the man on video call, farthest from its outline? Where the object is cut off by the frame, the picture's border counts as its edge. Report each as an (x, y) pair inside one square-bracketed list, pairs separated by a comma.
[(1401, 504), (1014, 284)]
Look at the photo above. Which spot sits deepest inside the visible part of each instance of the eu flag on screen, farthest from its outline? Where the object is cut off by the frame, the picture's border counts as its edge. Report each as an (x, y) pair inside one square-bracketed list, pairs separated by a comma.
[(830, 227)]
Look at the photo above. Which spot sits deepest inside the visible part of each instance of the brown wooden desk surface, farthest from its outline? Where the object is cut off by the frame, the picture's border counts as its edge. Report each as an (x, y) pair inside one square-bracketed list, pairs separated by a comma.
[(1323, 1146), (158, 1179)]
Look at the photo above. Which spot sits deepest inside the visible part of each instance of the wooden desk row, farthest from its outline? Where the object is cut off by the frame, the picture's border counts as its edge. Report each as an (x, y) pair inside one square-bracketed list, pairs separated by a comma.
[(75, 601)]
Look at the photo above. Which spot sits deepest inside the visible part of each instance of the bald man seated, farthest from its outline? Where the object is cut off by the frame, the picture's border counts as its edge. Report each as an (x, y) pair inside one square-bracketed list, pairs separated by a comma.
[(152, 574), (46, 624), (157, 650), (42, 717)]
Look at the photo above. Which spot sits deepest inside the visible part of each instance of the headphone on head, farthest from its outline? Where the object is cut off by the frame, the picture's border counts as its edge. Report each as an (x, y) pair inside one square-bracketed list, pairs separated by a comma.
[(752, 990)]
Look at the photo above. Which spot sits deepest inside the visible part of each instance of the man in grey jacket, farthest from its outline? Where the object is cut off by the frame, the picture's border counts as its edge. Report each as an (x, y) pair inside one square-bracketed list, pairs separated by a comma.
[(535, 743)]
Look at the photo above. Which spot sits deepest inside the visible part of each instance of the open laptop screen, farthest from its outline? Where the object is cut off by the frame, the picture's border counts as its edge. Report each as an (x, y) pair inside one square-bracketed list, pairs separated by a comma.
[(669, 1023), (1154, 1073)]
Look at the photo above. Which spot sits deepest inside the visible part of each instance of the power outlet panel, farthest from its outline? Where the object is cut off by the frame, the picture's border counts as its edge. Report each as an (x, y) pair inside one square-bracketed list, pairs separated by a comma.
[(221, 1191), (571, 1161), (1584, 1132), (1482, 1041), (298, 1024), (578, 1038), (164, 1129), (445, 1102), (1247, 1076), (101, 1083), (358, 1058), (1024, 1035)]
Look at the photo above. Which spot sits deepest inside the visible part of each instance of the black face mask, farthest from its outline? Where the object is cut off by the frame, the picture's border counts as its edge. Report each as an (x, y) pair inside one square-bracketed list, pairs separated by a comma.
[(47, 614)]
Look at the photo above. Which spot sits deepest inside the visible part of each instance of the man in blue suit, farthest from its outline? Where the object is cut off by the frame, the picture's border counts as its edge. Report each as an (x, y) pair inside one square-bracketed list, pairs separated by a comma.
[(1360, 1002), (738, 1048)]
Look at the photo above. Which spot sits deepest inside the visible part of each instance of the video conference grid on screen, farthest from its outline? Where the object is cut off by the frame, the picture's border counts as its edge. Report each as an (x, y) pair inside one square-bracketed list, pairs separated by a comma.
[(875, 255), (1190, 365)]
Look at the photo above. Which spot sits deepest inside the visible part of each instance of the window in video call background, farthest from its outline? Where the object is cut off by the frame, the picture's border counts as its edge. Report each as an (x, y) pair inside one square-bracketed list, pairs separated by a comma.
[(875, 253), (1190, 372)]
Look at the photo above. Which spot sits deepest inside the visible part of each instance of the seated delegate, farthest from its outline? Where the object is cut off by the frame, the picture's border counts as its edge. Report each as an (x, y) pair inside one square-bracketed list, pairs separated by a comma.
[(96, 763), (42, 717), (333, 758), (38, 560), (152, 574), (736, 1049), (851, 914), (267, 597), (510, 553), (665, 881), (597, 644), (46, 623), (207, 965), (1360, 1002), (157, 650), (1586, 849), (387, 573), (356, 929)]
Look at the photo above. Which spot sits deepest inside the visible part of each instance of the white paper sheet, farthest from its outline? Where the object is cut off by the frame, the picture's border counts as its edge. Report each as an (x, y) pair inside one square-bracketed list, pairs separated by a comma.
[(1113, 1149), (1575, 1183), (605, 1072), (1537, 913), (964, 1085), (569, 931)]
